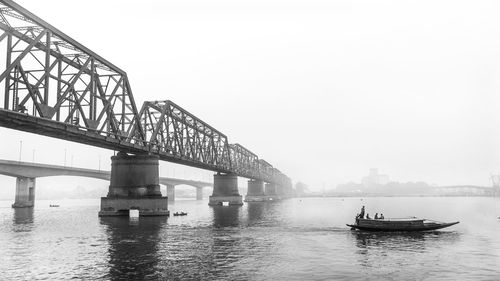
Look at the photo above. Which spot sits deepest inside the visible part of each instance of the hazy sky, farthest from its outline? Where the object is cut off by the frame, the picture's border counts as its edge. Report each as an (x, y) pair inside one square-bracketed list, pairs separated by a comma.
[(323, 90)]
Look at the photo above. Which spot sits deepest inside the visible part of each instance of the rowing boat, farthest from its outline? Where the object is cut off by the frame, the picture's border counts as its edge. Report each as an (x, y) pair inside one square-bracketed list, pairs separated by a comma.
[(405, 224)]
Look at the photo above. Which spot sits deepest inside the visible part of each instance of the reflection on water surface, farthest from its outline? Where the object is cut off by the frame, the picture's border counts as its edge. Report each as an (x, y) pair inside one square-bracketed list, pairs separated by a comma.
[(297, 239)]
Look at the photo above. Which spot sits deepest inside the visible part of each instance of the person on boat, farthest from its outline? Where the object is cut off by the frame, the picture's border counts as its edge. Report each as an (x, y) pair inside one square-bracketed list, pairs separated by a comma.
[(368, 216), (381, 216), (376, 216), (362, 214)]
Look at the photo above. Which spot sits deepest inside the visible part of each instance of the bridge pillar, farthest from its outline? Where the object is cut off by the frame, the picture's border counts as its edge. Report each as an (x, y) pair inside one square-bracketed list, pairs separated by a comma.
[(134, 184), (271, 192), (280, 191), (496, 190), (171, 192), (255, 191), (199, 193), (225, 190), (25, 192)]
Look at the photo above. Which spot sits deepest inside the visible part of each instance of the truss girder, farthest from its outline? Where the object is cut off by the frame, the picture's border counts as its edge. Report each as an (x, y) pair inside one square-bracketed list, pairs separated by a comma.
[(244, 161), (47, 74), (48, 79), (172, 130)]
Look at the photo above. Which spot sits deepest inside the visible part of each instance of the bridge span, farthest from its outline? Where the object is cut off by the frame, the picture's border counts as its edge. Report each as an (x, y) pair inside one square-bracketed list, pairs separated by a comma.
[(468, 190), (27, 172), (52, 85)]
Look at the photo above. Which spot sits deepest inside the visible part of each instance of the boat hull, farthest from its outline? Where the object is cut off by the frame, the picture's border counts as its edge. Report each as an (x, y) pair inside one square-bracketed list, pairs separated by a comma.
[(388, 227)]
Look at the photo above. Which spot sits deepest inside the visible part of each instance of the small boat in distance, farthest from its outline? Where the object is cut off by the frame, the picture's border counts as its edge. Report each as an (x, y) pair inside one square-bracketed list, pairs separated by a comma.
[(180, 214), (53, 205), (399, 224)]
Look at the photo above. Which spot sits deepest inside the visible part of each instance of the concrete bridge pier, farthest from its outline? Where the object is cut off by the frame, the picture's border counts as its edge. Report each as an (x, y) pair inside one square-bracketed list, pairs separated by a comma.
[(171, 192), (271, 192), (134, 184), (25, 192), (255, 191), (199, 193), (225, 190), (287, 192), (281, 191)]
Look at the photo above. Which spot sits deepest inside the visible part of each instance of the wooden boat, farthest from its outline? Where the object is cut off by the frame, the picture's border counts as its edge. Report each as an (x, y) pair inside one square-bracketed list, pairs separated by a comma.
[(403, 224)]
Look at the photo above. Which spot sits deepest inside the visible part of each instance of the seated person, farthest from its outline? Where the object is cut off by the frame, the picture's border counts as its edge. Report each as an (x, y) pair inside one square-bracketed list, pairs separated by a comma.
[(368, 216), (381, 216), (376, 216)]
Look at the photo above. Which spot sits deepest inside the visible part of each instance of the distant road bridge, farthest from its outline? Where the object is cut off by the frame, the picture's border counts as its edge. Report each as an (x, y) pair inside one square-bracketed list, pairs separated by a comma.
[(473, 190), (54, 86), (27, 172)]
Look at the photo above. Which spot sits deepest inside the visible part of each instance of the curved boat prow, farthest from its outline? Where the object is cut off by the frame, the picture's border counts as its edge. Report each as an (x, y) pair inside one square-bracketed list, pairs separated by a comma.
[(450, 224), (438, 225)]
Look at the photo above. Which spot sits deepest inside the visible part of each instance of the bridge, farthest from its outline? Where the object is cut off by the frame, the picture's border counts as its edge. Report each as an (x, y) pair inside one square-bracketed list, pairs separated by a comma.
[(52, 85), (468, 190), (26, 174)]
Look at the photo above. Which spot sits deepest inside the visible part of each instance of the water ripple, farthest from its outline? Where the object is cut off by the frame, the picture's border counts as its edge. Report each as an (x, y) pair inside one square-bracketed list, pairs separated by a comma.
[(289, 240)]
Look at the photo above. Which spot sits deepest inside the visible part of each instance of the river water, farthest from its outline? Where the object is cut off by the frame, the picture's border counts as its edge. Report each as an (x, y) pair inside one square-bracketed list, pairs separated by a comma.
[(296, 239)]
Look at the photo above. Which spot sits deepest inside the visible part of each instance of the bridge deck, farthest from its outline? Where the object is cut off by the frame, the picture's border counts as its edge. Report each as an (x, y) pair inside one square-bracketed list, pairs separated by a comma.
[(51, 128), (35, 170)]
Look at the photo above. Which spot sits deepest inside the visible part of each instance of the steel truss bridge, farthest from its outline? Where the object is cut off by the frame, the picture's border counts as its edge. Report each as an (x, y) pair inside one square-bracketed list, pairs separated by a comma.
[(52, 85)]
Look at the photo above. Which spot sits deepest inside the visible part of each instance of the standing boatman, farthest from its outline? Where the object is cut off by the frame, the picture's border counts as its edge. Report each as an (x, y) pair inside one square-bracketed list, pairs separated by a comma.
[(362, 214)]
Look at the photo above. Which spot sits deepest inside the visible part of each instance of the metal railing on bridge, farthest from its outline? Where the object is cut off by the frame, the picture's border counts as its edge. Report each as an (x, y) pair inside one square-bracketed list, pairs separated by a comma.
[(52, 85)]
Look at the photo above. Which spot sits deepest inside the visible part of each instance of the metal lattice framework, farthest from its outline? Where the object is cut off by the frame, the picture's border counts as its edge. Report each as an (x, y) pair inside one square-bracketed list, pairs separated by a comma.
[(89, 91), (173, 131), (245, 161), (52, 85), (265, 169)]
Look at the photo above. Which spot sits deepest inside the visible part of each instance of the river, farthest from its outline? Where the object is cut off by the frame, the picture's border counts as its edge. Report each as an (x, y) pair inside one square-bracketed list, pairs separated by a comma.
[(295, 239)]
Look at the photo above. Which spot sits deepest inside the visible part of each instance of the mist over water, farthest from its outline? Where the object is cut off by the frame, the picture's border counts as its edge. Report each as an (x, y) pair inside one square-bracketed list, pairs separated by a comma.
[(322, 90), (296, 239)]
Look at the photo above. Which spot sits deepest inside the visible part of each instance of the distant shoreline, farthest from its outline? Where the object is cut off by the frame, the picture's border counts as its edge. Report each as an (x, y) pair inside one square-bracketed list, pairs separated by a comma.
[(303, 196), (391, 195)]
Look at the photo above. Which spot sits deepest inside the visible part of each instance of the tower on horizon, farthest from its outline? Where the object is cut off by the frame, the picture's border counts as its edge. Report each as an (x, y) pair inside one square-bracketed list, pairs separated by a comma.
[(374, 178)]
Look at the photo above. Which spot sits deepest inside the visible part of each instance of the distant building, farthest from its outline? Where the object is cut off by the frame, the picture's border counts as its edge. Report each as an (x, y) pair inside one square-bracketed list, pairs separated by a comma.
[(374, 178)]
